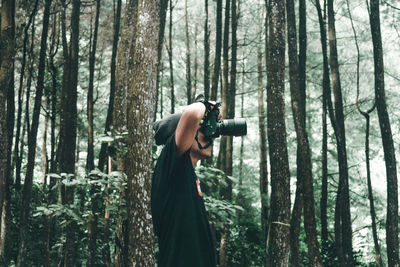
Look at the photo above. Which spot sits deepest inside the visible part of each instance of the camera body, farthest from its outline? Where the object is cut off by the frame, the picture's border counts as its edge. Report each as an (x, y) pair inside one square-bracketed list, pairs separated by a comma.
[(212, 127)]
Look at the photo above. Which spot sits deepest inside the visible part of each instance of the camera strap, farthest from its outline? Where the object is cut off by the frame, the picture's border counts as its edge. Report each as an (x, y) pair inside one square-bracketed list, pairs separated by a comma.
[(198, 142)]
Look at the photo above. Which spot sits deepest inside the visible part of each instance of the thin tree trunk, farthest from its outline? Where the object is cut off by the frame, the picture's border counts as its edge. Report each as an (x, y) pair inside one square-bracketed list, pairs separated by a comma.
[(51, 199), (109, 119), (96, 202), (262, 150), (225, 148), (196, 64), (188, 63), (392, 226), (343, 198), (218, 47), (45, 157), (378, 257), (21, 82), (171, 67), (280, 175), (27, 191), (90, 107), (305, 196), (206, 53), (325, 96), (68, 126)]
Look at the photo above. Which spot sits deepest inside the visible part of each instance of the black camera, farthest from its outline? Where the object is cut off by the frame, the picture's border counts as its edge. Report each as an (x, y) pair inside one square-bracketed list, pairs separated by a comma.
[(212, 127)]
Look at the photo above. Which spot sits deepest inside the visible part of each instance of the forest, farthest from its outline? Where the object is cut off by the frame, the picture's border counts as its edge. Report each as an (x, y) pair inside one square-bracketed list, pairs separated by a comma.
[(313, 183)]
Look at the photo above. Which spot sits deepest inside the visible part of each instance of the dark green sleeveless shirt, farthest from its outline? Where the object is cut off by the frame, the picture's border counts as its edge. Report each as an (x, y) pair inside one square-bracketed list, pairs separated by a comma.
[(179, 215)]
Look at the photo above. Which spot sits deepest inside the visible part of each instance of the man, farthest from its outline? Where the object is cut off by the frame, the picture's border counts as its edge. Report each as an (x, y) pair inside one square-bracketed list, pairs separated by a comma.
[(179, 215)]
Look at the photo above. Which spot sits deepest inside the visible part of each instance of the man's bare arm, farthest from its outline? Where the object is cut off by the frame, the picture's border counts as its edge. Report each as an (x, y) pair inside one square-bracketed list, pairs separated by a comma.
[(188, 126)]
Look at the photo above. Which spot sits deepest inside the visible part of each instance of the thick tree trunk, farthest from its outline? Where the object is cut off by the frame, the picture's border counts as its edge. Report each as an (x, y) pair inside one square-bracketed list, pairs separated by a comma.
[(139, 142), (218, 47), (304, 192), (27, 191), (126, 50), (392, 226), (280, 175), (343, 198)]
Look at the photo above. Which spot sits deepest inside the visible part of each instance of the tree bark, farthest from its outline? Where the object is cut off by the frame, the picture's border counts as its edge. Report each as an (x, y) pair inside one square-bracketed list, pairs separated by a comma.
[(139, 142), (27, 191), (392, 227), (280, 176), (125, 54)]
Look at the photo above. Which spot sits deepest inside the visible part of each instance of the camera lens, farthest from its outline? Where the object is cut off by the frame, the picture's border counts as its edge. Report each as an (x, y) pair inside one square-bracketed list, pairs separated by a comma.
[(232, 127)]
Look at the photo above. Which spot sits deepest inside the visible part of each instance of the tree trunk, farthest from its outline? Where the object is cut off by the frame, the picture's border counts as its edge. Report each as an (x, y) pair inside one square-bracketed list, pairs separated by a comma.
[(262, 150), (280, 176), (109, 119), (343, 198), (21, 82), (305, 196), (218, 47), (225, 152), (49, 222), (27, 191), (96, 202), (171, 67), (68, 126), (125, 56), (188, 63), (325, 96), (378, 257), (392, 238), (139, 142), (45, 158), (206, 53), (7, 47)]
